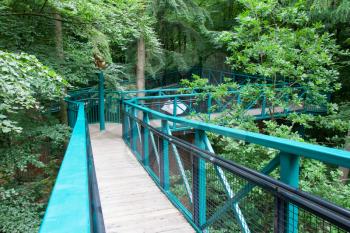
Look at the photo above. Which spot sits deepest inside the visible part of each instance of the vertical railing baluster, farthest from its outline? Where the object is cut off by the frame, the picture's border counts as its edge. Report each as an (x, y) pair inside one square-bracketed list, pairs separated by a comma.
[(133, 130), (101, 100), (164, 160), (123, 125), (145, 140), (125, 122), (174, 111), (199, 182), (120, 109), (289, 173), (280, 216), (263, 107), (209, 105)]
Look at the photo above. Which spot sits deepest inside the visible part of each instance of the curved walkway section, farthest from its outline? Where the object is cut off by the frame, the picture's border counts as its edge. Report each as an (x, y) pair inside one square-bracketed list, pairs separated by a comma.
[(130, 200)]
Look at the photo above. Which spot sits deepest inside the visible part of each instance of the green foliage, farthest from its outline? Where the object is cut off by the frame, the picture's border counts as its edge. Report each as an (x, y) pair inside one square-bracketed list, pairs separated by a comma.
[(331, 12), (29, 163), (180, 25), (18, 212), (31, 140), (279, 42), (108, 29), (25, 84), (332, 129)]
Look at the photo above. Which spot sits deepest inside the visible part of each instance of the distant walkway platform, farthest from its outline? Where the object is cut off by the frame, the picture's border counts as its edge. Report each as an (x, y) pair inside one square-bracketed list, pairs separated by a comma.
[(130, 200)]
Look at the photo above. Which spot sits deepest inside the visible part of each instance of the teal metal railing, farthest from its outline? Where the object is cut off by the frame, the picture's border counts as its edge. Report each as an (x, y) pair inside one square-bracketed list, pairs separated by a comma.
[(198, 102), (215, 77), (216, 195), (74, 204)]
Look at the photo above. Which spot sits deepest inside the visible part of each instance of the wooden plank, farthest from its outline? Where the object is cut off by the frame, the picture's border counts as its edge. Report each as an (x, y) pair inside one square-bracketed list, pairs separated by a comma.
[(131, 202)]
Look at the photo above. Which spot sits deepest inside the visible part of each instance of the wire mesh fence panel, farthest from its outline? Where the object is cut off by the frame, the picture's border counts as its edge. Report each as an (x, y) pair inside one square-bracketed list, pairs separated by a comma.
[(216, 198), (224, 103), (180, 172), (157, 105), (235, 205), (112, 109), (154, 154), (128, 138), (92, 110), (190, 106), (200, 105), (139, 148), (308, 222)]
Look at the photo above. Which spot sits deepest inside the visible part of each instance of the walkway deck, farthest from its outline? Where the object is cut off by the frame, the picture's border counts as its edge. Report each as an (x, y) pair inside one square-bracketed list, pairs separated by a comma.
[(131, 202)]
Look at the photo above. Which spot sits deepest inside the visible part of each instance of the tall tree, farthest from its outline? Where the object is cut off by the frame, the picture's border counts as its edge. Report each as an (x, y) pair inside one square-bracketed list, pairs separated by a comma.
[(140, 70)]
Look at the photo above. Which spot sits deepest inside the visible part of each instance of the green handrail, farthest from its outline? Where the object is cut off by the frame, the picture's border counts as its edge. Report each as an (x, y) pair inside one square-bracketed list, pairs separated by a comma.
[(321, 153), (68, 209), (288, 204)]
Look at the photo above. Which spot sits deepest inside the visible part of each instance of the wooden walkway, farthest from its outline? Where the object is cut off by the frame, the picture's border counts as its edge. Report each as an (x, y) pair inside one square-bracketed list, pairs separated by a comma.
[(130, 200)]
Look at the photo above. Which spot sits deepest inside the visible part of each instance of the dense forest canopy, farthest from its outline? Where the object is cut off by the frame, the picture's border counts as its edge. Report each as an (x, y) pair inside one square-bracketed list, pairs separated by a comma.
[(49, 47)]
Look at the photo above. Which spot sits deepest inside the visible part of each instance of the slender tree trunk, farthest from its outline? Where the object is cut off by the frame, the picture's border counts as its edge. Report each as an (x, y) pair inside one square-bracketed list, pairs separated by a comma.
[(60, 56), (140, 72)]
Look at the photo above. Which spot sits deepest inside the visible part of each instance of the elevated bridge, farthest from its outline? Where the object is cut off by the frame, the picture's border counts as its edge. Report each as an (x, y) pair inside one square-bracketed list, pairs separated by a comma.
[(126, 174)]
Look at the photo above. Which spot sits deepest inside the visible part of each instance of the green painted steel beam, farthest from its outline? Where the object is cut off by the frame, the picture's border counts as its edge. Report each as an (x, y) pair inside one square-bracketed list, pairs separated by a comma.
[(272, 165), (321, 153), (101, 89), (228, 190), (164, 160), (155, 149), (133, 130), (145, 141), (289, 174), (182, 170), (199, 183), (68, 209)]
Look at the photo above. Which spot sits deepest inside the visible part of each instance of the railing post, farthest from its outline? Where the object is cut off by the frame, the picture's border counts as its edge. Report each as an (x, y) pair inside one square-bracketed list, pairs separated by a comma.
[(280, 216), (120, 109), (174, 111), (101, 105), (164, 160), (145, 141), (289, 173), (133, 130), (286, 98), (209, 105), (125, 122), (263, 107), (199, 182)]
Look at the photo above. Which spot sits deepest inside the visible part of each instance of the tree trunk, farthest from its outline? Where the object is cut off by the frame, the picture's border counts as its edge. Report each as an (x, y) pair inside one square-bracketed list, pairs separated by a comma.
[(140, 71), (60, 56)]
